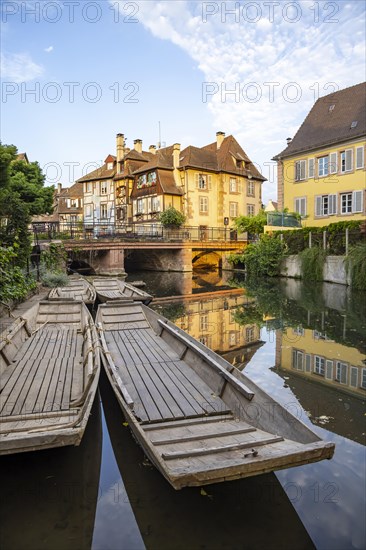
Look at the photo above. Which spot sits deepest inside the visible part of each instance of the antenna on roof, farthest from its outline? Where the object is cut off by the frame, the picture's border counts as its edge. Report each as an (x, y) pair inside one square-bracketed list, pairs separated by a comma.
[(159, 142)]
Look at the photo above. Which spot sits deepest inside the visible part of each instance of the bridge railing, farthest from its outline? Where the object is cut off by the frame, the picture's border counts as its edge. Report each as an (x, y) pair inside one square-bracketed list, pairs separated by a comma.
[(134, 232)]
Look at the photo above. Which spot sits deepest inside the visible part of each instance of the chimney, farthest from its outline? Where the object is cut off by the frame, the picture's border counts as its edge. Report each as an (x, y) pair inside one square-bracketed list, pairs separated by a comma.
[(288, 140), (220, 136), (59, 188), (152, 149), (138, 145), (176, 155), (120, 142)]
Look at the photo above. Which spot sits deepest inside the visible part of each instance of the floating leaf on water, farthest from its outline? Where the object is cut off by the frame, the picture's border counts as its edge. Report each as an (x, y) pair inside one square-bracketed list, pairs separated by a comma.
[(125, 424)]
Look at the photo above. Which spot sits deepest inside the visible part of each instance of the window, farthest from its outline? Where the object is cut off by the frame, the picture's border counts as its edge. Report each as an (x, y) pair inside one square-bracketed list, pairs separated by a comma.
[(103, 211), (203, 181), (341, 372), (363, 379), (346, 160), (233, 208), (249, 334), (333, 168), (307, 362), (203, 204), (103, 187), (250, 189), (155, 204), (297, 359), (204, 340), (325, 205), (232, 339), (298, 331), (233, 185), (359, 157), (88, 211), (203, 322), (300, 206), (109, 165), (323, 166), (300, 170), (311, 168), (346, 203), (250, 210), (88, 187), (351, 202), (140, 206), (319, 365)]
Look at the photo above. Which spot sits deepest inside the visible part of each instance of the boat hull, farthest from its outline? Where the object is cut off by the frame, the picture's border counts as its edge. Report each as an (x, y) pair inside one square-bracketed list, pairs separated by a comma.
[(197, 419)]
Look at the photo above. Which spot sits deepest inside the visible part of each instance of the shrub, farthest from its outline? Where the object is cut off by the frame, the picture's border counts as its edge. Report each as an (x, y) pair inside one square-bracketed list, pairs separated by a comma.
[(14, 284), (356, 263), (262, 259), (312, 263), (54, 278), (172, 216)]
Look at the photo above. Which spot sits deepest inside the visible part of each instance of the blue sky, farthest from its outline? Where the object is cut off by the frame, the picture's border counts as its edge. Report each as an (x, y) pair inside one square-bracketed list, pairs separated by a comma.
[(251, 69)]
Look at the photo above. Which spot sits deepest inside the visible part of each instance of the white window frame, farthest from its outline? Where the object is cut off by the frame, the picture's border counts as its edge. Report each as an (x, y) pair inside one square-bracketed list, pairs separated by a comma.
[(300, 206), (363, 379), (250, 188), (203, 181), (203, 323), (88, 211), (297, 359), (233, 185), (348, 204), (346, 157), (323, 166), (233, 209), (300, 170), (140, 206), (319, 365), (203, 204), (325, 205), (341, 372), (104, 188), (250, 209), (360, 156), (249, 334), (103, 208), (357, 201)]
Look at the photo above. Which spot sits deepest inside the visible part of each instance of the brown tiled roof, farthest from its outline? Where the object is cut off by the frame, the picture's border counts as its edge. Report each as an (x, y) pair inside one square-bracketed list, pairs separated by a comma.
[(75, 190), (98, 174), (22, 156), (163, 158), (167, 182), (325, 125)]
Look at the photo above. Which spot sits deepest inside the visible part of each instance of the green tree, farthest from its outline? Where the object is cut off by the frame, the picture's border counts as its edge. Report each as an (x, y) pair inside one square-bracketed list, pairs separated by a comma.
[(262, 259), (252, 224), (22, 194)]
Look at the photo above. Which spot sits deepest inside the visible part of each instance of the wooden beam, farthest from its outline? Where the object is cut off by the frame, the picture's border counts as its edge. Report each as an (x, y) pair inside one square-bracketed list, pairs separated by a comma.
[(224, 448), (197, 437)]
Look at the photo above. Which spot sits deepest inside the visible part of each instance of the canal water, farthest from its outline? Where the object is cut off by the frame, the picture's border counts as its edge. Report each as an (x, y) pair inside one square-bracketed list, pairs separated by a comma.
[(305, 346)]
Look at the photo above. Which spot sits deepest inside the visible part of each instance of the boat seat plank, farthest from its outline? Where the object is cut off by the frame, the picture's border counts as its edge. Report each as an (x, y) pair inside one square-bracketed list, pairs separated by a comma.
[(177, 424), (140, 392)]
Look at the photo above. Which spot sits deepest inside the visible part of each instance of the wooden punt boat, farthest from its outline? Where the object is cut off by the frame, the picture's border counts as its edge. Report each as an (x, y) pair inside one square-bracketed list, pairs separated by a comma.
[(198, 418), (49, 371), (115, 289), (77, 288)]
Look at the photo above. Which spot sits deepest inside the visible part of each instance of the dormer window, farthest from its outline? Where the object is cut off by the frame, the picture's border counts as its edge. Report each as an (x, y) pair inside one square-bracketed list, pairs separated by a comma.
[(239, 163), (354, 124), (109, 165), (331, 108)]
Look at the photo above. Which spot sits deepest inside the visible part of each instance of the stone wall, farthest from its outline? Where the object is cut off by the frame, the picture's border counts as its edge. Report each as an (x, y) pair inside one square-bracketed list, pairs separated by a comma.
[(334, 269)]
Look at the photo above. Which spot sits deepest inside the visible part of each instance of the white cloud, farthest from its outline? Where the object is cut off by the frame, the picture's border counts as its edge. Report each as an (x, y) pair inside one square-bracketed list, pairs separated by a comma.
[(19, 67), (49, 49), (231, 51)]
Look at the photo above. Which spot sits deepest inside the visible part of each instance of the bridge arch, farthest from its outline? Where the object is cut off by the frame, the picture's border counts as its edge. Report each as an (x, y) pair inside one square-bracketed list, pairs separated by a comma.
[(206, 259)]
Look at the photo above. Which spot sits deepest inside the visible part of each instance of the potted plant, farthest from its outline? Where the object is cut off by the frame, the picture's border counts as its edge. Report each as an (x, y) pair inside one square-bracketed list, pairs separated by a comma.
[(172, 218)]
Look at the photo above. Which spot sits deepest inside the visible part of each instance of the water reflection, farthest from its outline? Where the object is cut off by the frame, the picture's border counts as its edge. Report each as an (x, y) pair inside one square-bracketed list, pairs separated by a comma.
[(48, 498), (312, 361), (247, 513)]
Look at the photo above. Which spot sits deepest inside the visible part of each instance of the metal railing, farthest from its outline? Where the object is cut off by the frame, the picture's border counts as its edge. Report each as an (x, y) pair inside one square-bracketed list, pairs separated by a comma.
[(279, 219), (136, 232)]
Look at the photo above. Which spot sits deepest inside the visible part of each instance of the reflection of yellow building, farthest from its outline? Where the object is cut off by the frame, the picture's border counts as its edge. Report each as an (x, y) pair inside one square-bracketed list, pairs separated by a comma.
[(212, 322), (312, 355)]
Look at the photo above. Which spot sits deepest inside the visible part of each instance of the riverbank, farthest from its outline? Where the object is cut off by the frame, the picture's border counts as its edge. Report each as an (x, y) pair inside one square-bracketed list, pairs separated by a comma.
[(8, 314)]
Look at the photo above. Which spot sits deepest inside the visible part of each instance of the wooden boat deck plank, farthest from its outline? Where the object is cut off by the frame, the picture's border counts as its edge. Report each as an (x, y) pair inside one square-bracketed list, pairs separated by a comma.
[(13, 387), (189, 384)]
